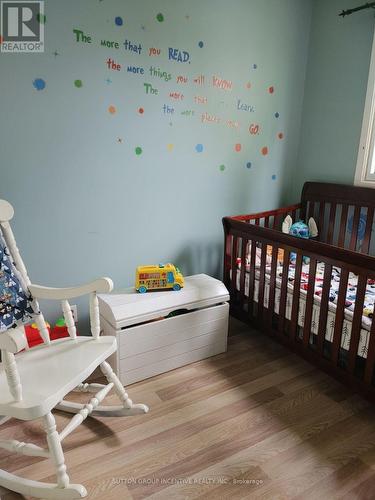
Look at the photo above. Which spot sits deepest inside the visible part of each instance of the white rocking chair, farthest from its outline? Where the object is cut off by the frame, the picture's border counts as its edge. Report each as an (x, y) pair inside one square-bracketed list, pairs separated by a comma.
[(35, 381)]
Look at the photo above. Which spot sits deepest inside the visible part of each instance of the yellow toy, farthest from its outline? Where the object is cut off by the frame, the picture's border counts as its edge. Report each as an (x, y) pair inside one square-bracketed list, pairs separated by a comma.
[(161, 277)]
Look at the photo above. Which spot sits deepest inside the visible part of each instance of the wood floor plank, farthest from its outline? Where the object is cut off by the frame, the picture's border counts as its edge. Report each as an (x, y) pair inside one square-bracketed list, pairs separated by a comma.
[(255, 422), (235, 434), (179, 410), (339, 483), (311, 423)]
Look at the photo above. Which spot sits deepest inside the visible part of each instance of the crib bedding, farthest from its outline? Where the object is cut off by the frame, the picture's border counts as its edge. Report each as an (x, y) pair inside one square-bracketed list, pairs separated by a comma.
[(333, 295)]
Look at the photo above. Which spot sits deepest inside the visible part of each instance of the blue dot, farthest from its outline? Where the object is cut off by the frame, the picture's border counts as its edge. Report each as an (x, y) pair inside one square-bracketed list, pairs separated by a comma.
[(199, 148), (255, 66), (39, 84), (273, 177), (277, 114), (119, 21), (200, 44), (248, 164)]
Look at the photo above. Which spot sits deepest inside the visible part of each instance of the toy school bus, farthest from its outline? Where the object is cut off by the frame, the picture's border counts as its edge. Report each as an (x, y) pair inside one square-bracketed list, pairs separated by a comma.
[(159, 277)]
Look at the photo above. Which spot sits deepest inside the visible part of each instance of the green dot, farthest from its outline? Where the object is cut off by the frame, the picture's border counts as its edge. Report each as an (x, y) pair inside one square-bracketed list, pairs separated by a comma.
[(222, 168), (78, 83), (138, 150), (41, 18), (160, 17)]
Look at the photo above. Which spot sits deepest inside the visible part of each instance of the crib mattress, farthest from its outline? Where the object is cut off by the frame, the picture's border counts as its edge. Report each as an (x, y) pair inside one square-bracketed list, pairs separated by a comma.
[(333, 294)]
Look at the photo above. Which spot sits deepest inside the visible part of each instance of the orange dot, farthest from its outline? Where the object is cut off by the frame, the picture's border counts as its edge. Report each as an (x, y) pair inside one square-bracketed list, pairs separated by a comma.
[(271, 89), (248, 85), (141, 111), (264, 151), (238, 147), (280, 135), (112, 110)]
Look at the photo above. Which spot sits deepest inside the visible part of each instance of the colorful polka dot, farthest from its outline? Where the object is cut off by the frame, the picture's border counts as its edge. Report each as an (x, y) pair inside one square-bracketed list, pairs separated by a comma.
[(271, 89), (78, 83), (222, 168), (39, 84), (201, 44), (138, 150), (119, 21), (248, 85), (112, 110), (264, 151), (160, 17), (280, 135), (170, 147), (273, 177), (248, 164), (277, 114), (141, 111), (237, 147), (199, 148), (255, 66)]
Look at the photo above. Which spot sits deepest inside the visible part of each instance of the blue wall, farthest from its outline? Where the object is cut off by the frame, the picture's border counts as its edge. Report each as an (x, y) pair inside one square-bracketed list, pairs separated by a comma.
[(86, 203), (336, 82)]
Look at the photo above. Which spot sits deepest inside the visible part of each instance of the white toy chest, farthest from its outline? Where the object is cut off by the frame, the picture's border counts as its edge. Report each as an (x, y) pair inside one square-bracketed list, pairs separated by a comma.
[(149, 343)]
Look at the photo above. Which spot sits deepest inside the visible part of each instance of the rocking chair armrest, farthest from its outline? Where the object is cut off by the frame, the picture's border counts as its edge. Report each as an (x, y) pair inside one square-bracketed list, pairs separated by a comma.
[(102, 285), (13, 340)]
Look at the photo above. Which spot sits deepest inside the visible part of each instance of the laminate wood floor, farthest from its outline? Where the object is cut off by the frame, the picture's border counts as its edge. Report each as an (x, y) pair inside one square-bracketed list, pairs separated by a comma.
[(256, 422)]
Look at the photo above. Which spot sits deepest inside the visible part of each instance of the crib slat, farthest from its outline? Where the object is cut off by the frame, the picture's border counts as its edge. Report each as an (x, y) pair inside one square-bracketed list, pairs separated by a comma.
[(277, 222), (251, 277), (309, 302), (353, 239), (296, 294), (227, 259), (331, 224), (311, 210), (357, 322), (234, 266), (321, 220), (323, 310), (284, 289), (267, 221), (340, 310), (243, 270), (262, 278), (368, 230), (271, 299), (342, 231), (370, 360)]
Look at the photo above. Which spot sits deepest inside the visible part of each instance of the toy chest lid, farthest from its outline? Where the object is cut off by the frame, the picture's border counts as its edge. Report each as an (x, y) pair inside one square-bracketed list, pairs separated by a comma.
[(123, 308)]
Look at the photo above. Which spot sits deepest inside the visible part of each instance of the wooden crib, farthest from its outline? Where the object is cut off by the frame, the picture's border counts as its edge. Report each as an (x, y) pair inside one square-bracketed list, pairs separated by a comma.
[(266, 289)]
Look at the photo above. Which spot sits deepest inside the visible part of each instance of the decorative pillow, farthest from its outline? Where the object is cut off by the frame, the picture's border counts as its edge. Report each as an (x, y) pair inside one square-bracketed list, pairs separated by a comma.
[(15, 300)]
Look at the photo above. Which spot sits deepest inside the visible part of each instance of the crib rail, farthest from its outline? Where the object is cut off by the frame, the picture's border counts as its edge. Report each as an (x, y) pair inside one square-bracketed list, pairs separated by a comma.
[(272, 218), (262, 297), (344, 214)]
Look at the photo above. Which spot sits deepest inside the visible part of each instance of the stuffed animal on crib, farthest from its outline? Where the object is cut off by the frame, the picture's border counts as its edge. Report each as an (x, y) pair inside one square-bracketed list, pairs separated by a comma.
[(300, 230)]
